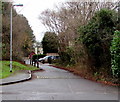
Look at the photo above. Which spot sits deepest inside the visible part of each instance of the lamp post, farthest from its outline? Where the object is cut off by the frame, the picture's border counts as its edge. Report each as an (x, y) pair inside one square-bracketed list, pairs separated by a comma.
[(118, 15), (11, 34)]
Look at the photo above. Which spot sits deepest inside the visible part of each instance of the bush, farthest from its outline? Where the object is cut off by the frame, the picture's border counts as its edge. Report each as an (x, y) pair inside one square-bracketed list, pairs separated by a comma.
[(97, 35), (65, 58), (115, 54)]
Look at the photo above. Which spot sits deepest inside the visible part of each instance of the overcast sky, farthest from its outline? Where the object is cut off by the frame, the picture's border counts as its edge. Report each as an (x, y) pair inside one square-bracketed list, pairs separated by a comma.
[(32, 9)]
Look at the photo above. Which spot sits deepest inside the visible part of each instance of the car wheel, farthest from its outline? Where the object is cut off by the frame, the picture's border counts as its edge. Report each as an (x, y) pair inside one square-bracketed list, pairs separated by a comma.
[(43, 62)]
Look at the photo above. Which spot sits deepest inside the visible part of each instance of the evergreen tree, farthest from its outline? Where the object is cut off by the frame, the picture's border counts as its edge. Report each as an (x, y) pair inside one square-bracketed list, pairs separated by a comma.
[(50, 43)]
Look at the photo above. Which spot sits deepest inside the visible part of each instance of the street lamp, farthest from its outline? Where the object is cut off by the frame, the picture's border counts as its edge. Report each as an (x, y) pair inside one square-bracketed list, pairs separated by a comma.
[(11, 34)]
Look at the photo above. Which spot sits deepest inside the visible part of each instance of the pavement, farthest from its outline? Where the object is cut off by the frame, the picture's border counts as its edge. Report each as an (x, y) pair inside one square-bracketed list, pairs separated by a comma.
[(16, 78)]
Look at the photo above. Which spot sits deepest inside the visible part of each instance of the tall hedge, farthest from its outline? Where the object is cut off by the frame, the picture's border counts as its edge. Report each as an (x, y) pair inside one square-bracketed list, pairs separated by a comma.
[(97, 35), (115, 54)]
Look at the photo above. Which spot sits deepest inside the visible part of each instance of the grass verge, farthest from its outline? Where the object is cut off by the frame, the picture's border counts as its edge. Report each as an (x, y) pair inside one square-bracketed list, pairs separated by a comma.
[(5, 68)]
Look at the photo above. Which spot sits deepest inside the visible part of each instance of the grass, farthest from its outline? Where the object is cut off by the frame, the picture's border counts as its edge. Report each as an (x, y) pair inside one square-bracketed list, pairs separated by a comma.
[(5, 68)]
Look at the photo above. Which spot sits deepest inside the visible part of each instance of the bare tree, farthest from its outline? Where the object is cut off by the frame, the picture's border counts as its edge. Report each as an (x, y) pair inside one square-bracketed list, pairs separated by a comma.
[(67, 18)]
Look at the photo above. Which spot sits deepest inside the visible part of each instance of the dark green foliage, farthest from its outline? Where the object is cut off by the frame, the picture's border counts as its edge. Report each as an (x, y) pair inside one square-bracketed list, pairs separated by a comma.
[(65, 58), (97, 35), (115, 54), (50, 43)]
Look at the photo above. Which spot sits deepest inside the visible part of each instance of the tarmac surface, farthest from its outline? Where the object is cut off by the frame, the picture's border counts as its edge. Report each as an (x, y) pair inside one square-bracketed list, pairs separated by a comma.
[(57, 84)]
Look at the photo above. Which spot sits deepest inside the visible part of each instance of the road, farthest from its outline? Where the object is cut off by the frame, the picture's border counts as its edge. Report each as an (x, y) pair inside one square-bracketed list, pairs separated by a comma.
[(57, 84)]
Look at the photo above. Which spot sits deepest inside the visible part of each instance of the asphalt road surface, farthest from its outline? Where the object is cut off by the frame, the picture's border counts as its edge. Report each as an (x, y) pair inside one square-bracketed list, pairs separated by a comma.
[(57, 84)]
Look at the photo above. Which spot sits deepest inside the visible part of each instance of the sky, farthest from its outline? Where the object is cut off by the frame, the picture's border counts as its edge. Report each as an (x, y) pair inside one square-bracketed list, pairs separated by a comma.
[(32, 9)]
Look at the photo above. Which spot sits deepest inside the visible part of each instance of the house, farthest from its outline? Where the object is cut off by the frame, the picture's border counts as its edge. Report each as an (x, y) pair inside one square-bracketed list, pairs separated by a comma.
[(52, 54)]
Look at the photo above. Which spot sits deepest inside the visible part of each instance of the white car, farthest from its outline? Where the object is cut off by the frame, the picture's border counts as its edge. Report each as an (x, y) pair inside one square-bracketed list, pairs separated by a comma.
[(45, 59)]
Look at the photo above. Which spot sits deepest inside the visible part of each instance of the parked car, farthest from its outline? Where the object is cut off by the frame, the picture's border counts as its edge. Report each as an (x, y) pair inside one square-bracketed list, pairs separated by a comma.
[(55, 57), (45, 59), (48, 59)]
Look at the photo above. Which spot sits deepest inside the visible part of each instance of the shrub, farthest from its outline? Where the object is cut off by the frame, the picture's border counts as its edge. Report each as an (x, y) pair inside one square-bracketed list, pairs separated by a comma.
[(97, 35), (115, 54)]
